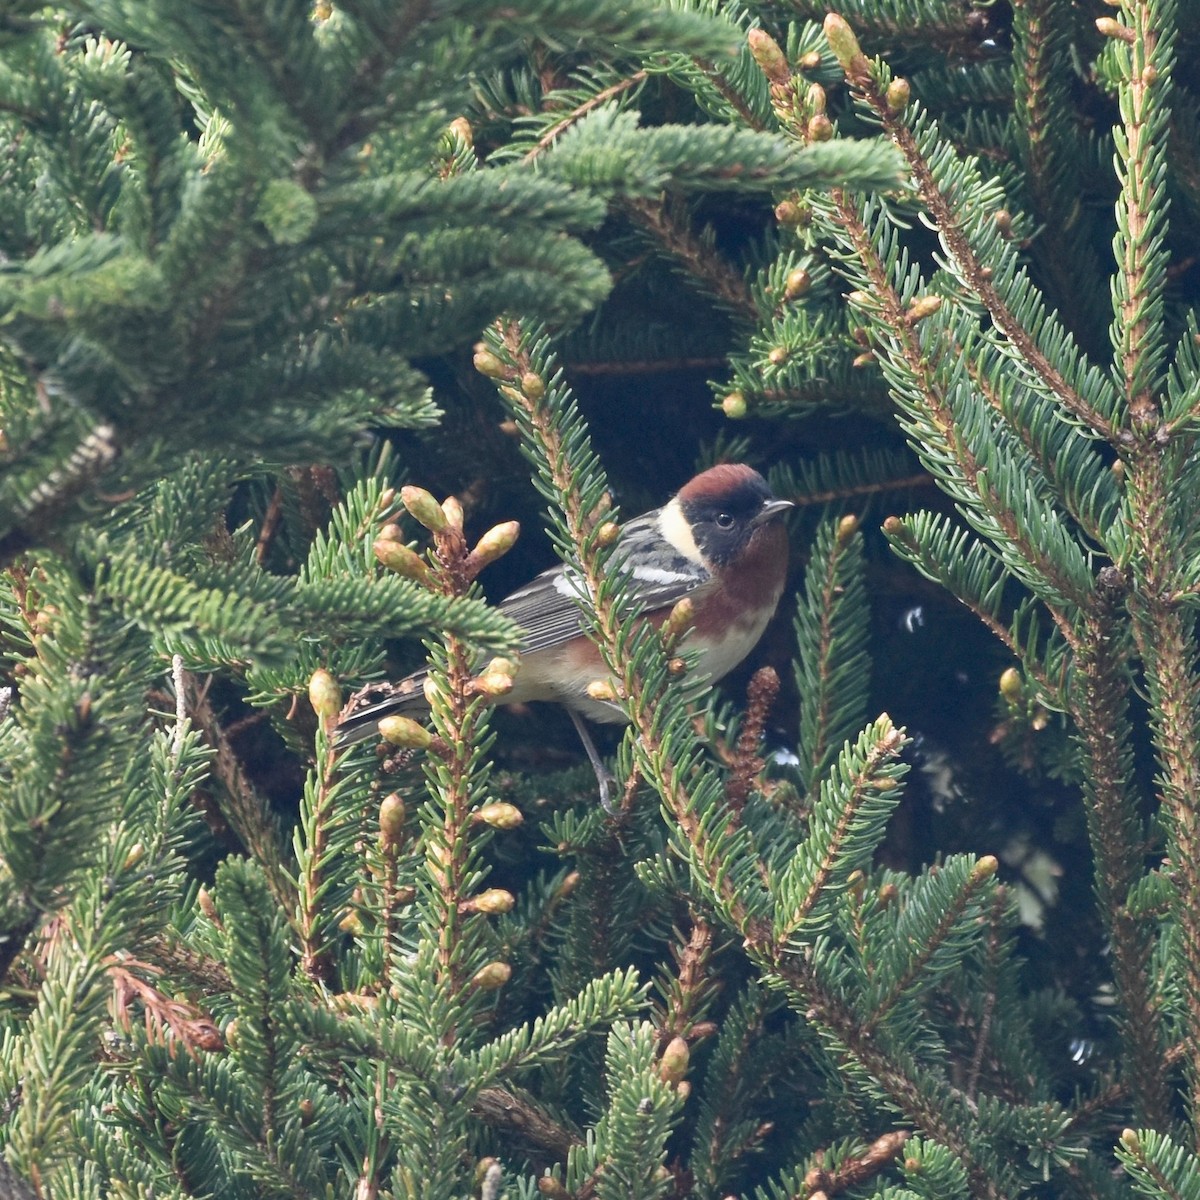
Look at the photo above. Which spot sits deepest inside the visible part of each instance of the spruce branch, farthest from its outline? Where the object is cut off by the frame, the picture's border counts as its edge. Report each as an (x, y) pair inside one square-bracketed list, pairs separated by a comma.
[(247, 812), (518, 1117), (691, 988), (925, 928), (562, 124), (460, 720), (1158, 1166), (855, 1168), (833, 670), (843, 828), (1146, 60), (1034, 336), (991, 973), (1058, 578), (317, 811), (1099, 697), (1048, 139), (1163, 633), (672, 233), (971, 571)]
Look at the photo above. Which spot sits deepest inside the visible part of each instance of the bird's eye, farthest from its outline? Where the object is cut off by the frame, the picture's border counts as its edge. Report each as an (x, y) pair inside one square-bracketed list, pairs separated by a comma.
[(724, 521)]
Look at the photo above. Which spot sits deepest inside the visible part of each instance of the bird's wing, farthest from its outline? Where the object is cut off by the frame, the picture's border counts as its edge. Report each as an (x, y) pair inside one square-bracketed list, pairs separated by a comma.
[(547, 607)]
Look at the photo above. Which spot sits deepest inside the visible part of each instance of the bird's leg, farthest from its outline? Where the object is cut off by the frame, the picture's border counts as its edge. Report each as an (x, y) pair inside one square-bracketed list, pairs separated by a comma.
[(604, 777)]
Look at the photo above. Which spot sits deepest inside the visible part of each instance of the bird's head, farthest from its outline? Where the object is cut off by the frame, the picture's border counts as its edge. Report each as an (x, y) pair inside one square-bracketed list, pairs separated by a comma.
[(718, 516)]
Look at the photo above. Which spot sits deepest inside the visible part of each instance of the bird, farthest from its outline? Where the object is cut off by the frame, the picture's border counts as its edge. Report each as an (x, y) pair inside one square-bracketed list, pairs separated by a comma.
[(719, 542)]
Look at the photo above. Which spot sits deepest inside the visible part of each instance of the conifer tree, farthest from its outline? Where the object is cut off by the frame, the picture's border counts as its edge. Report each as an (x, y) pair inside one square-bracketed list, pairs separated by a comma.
[(246, 251)]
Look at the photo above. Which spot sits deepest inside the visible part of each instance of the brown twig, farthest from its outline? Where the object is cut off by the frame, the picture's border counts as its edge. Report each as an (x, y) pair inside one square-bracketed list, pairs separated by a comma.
[(169, 1022), (691, 988), (747, 762), (857, 1169), (247, 812), (580, 111), (270, 524), (517, 1117)]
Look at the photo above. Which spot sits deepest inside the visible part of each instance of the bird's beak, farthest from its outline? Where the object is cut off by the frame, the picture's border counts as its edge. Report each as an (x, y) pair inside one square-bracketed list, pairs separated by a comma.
[(770, 510)]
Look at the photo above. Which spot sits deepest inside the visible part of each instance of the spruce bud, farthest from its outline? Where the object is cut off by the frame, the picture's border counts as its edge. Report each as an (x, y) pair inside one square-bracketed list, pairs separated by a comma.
[(734, 406), (815, 98), (845, 47), (778, 356), (207, 906), (499, 815), (985, 868), (461, 128), (552, 1189), (136, 853), (453, 510), (798, 282), (404, 732), (607, 534), (788, 212), (492, 683), (846, 529), (496, 543), (488, 363), (391, 818), (503, 666), (769, 56), (402, 560), (424, 508), (922, 307), (680, 618), (533, 385), (494, 901), (494, 975), (809, 61), (1110, 27), (602, 690), (391, 532), (820, 128), (307, 1110), (1010, 685), (1131, 1141), (673, 1064), (324, 694), (898, 94)]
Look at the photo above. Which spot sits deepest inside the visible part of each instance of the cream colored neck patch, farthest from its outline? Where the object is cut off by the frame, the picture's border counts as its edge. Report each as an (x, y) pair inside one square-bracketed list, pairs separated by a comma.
[(673, 525)]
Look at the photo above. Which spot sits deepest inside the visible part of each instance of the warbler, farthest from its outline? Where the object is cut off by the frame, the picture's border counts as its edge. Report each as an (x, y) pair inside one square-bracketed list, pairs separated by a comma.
[(720, 541)]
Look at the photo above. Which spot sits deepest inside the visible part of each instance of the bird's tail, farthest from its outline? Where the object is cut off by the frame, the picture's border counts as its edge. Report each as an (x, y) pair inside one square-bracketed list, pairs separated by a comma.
[(359, 720)]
